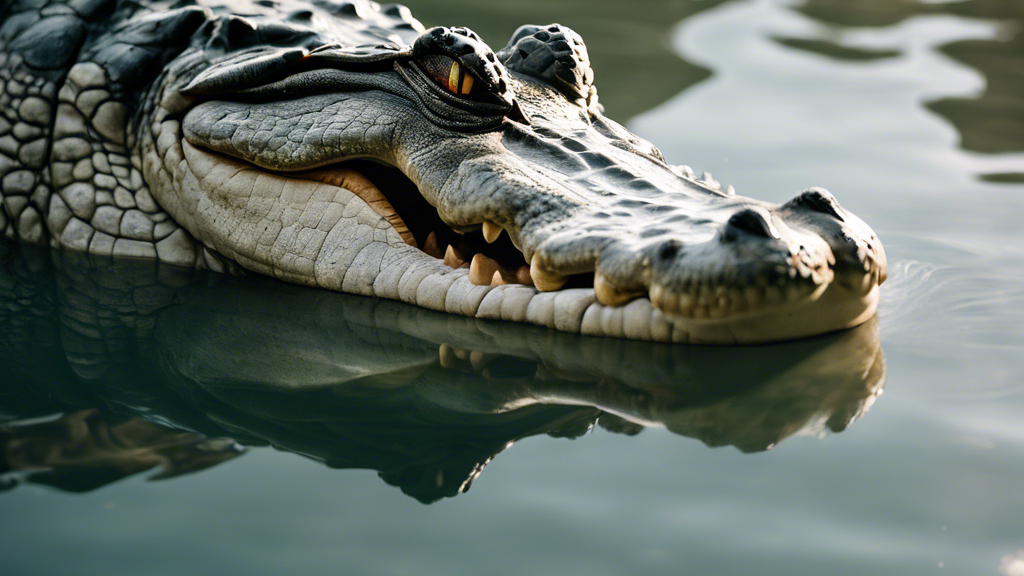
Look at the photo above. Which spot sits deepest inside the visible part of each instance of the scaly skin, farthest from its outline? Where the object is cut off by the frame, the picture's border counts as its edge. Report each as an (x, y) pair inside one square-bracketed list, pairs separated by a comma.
[(203, 138)]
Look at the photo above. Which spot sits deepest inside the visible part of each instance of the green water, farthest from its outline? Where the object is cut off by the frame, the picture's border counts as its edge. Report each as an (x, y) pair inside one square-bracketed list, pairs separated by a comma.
[(302, 432)]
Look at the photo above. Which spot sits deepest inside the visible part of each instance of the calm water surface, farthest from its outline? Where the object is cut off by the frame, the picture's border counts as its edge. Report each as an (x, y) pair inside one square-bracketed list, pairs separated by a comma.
[(293, 431)]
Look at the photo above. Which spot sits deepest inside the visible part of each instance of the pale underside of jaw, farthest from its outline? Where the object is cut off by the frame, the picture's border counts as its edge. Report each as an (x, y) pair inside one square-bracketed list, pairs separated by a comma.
[(379, 256)]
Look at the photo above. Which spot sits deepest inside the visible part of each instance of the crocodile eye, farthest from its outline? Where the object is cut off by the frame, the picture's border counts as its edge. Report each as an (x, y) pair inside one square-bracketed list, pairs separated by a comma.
[(449, 74)]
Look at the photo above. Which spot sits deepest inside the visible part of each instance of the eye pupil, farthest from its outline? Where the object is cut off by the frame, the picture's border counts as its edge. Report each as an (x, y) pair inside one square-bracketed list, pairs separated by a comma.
[(449, 74)]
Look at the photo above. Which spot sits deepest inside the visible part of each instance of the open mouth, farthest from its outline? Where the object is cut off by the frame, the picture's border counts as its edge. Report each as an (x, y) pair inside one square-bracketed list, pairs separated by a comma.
[(487, 252), (489, 255)]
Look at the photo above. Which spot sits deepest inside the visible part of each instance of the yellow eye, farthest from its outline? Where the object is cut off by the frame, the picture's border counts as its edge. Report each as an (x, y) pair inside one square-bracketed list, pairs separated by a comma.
[(449, 74), (454, 77)]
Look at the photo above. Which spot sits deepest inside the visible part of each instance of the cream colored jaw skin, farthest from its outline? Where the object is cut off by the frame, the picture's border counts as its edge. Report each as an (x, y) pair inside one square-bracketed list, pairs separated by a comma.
[(315, 232), (295, 229)]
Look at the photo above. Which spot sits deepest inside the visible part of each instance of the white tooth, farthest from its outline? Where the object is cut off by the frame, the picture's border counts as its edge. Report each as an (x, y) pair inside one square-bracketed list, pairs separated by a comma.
[(657, 293), (497, 280), (730, 190), (545, 281), (450, 259), (719, 308), (523, 275), (491, 231), (669, 302), (447, 354), (609, 294), (479, 360), (482, 270), (686, 304), (430, 246)]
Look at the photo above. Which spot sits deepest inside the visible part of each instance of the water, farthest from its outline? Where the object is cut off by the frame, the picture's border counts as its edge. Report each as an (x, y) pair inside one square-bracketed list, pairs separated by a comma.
[(895, 448)]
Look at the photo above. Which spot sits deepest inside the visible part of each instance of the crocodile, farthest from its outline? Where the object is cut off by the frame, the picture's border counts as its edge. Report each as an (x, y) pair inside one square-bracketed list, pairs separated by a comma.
[(340, 144)]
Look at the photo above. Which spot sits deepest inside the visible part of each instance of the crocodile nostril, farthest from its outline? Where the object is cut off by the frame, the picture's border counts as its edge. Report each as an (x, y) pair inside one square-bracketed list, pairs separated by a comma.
[(753, 222), (670, 249), (819, 200)]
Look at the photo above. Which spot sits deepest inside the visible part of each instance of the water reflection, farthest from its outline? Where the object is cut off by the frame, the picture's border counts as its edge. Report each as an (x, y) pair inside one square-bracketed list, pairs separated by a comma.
[(991, 122), (84, 450), (424, 398)]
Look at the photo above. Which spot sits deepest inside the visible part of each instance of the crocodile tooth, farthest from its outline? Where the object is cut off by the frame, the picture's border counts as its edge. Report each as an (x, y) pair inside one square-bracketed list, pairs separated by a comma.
[(686, 303), (609, 294), (545, 281), (523, 275), (431, 247), (730, 190), (657, 295), (451, 260), (704, 298), (491, 231), (447, 356), (671, 304), (482, 269), (497, 280), (480, 360)]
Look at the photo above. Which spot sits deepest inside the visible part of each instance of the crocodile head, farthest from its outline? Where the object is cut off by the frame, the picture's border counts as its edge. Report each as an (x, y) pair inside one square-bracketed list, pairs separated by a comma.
[(430, 169)]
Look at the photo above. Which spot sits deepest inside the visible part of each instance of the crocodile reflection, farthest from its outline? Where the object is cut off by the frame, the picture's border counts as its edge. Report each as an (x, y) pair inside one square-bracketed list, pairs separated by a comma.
[(424, 398), (84, 450)]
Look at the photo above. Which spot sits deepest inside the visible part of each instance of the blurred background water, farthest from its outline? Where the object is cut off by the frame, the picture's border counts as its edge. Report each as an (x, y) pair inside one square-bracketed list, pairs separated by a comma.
[(626, 459)]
